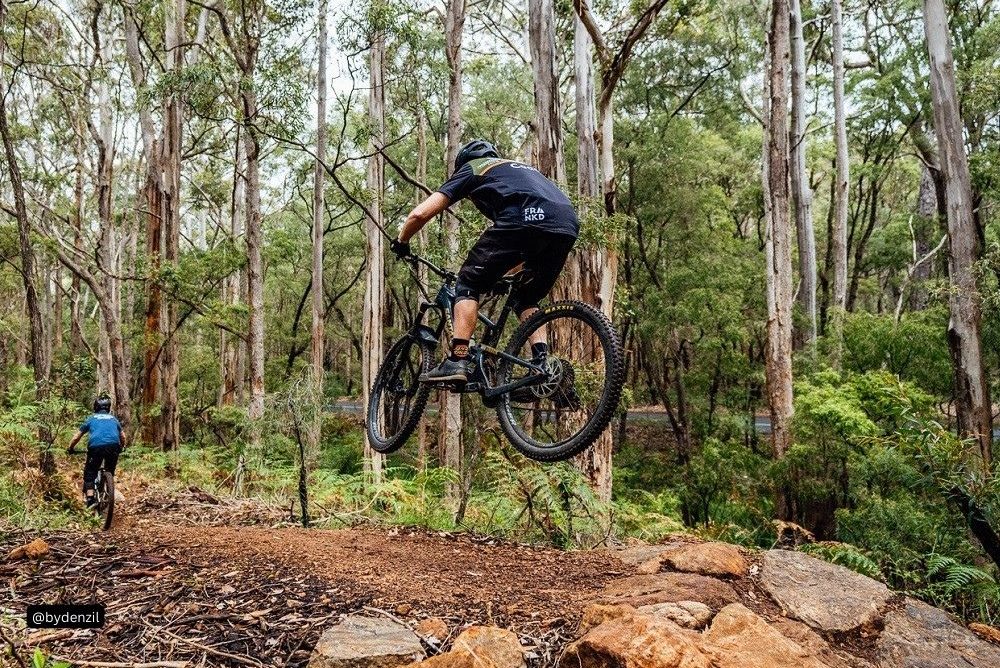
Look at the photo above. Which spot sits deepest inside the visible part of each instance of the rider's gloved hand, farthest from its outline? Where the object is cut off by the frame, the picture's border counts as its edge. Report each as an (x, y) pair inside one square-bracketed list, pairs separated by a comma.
[(400, 249)]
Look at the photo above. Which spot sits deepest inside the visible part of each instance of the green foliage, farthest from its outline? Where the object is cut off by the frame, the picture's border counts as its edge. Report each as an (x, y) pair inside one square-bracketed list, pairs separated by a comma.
[(845, 555), (40, 660)]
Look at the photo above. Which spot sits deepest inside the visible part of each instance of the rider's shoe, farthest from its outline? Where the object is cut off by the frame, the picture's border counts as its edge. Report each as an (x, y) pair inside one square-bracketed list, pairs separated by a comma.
[(448, 371), (90, 501)]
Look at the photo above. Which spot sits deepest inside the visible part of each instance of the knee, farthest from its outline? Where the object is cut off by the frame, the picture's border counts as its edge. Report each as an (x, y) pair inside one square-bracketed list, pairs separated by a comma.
[(466, 292)]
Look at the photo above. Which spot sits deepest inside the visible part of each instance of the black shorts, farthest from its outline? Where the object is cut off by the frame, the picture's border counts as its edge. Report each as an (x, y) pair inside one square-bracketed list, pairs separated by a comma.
[(500, 250)]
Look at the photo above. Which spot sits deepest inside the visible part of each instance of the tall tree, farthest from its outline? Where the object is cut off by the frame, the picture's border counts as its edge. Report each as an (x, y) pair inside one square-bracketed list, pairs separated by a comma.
[(450, 430), (778, 237), (801, 192), (175, 40), (548, 117), (375, 295), (152, 426), (972, 397), (841, 184), (319, 205), (594, 272)]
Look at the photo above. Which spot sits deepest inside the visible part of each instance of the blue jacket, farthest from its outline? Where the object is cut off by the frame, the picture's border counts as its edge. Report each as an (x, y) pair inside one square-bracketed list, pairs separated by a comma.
[(104, 430)]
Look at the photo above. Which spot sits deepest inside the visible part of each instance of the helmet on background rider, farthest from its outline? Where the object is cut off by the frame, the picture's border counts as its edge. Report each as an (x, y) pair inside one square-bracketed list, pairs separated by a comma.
[(477, 148), (102, 404)]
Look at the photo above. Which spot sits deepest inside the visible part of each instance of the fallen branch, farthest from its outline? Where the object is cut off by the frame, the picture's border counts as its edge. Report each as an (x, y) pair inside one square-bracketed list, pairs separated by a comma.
[(115, 664)]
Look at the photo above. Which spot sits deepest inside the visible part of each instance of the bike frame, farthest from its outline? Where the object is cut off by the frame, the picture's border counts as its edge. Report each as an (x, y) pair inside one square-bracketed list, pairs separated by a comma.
[(480, 351)]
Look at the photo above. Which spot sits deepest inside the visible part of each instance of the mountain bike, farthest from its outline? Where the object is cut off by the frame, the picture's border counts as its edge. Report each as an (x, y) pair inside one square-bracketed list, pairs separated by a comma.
[(549, 409), (104, 496)]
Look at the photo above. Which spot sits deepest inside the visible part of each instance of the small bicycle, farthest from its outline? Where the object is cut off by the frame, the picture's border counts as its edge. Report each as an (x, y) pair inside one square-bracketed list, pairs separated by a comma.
[(550, 409), (104, 493)]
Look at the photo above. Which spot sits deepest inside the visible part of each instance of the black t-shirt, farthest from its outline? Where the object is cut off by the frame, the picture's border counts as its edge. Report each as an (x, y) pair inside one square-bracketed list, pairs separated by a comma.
[(513, 195)]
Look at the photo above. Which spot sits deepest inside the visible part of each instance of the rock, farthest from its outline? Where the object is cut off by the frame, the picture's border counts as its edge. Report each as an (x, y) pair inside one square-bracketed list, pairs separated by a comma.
[(688, 614), (986, 632), (640, 590), (500, 647), (636, 641), (825, 596), (640, 555), (813, 643), (921, 636), (433, 629), (36, 549), (717, 559), (366, 642), (649, 567), (454, 659), (738, 638), (596, 614)]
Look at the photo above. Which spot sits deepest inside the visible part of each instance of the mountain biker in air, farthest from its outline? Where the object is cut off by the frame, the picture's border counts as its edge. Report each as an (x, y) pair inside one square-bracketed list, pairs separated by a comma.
[(534, 223), (106, 442)]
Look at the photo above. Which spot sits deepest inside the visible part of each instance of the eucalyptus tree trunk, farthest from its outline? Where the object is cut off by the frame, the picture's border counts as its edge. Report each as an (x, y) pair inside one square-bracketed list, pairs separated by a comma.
[(174, 39), (778, 239), (422, 274), (594, 273), (548, 126), (595, 462), (255, 281), (232, 366), (972, 397), (374, 306), (801, 192), (76, 342), (152, 426), (841, 187), (107, 236), (314, 432), (586, 165), (450, 426)]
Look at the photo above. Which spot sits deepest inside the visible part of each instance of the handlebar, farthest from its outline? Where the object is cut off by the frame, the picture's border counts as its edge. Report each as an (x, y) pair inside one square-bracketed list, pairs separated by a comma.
[(415, 259)]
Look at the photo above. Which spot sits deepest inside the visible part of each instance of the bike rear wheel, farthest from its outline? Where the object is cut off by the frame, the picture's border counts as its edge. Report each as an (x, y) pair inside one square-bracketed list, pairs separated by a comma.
[(565, 414), (106, 499), (398, 398)]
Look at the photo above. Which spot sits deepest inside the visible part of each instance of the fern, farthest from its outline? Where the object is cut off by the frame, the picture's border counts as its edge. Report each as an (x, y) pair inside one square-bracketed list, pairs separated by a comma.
[(847, 556)]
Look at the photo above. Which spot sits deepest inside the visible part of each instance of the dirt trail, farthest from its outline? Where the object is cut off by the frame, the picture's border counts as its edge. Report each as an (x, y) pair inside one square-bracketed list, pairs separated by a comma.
[(435, 571), (197, 579)]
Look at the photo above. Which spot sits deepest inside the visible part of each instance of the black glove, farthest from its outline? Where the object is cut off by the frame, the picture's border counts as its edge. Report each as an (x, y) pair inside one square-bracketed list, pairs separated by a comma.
[(400, 249)]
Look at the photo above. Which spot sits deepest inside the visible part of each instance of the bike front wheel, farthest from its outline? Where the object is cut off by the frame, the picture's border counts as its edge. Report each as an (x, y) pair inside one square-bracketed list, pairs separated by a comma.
[(585, 371), (398, 398)]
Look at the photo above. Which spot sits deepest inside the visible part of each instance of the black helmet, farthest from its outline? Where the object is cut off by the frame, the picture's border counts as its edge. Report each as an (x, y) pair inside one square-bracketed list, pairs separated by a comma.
[(102, 404), (477, 148)]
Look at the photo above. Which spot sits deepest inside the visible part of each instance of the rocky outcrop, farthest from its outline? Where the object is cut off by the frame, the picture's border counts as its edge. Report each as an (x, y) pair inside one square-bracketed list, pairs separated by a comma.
[(480, 647), (688, 614), (640, 590), (825, 596), (921, 636), (715, 559), (635, 640), (737, 638), (366, 642)]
